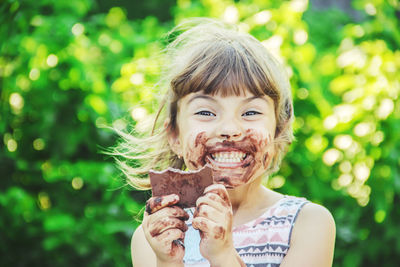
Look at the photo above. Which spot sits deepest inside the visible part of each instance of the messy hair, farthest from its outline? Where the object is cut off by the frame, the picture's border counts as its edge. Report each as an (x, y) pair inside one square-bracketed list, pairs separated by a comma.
[(214, 58)]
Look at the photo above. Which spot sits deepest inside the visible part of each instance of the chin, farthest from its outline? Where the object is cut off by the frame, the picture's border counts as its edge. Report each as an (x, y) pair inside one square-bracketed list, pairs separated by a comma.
[(230, 181)]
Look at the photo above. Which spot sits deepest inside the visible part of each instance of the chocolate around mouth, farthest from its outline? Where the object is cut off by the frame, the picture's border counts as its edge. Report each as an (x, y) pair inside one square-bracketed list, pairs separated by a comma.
[(232, 173), (225, 157)]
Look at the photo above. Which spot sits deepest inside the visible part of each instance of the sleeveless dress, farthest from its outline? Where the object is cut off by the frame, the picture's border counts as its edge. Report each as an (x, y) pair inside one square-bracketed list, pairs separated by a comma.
[(261, 242)]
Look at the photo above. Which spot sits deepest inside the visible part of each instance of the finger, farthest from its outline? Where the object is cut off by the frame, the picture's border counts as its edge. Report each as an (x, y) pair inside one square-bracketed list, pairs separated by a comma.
[(156, 203), (167, 237), (214, 201), (218, 189), (208, 229), (165, 224), (210, 213), (171, 212), (171, 241)]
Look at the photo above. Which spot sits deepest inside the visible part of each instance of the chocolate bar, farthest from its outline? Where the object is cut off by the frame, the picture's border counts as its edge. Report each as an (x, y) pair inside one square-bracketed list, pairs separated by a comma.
[(189, 185)]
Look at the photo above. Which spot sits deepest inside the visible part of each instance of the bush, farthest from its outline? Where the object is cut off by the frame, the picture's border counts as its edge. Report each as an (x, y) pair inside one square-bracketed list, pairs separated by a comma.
[(69, 67)]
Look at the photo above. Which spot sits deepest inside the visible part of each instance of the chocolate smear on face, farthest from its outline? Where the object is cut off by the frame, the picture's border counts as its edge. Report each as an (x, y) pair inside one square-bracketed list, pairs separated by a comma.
[(200, 139), (187, 185), (254, 144), (195, 156), (194, 164)]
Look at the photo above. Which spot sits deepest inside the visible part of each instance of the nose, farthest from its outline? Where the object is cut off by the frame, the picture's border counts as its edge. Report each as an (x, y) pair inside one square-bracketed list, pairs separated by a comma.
[(230, 137), (230, 129)]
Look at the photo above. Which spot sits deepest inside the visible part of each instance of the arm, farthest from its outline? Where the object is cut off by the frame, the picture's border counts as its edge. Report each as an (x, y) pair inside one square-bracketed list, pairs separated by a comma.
[(313, 238), (142, 254)]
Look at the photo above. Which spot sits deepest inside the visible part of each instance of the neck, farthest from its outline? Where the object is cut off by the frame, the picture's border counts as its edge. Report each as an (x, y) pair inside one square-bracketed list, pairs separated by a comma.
[(246, 195)]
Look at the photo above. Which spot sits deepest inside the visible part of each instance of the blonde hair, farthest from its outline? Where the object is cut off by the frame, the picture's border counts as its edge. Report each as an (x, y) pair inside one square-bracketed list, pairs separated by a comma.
[(209, 56)]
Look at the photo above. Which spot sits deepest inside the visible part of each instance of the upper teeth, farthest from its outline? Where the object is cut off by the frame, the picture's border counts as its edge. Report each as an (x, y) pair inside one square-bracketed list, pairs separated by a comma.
[(229, 156)]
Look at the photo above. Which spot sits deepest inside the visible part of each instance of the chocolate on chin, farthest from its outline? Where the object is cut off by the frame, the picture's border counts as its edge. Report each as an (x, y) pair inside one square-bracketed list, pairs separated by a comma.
[(189, 185)]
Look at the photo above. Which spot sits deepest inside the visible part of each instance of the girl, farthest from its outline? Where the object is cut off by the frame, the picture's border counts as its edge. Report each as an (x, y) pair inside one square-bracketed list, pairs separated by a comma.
[(229, 106)]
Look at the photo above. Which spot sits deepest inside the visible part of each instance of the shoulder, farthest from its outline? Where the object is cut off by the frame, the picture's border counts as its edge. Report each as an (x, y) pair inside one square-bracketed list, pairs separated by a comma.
[(313, 238), (314, 216), (316, 223), (141, 252)]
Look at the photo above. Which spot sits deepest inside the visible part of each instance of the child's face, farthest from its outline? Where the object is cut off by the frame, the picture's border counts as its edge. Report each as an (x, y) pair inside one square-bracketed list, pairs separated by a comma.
[(233, 134)]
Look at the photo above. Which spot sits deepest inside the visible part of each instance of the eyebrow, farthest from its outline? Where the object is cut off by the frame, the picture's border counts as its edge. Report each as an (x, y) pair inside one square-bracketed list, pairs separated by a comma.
[(247, 100), (201, 97), (207, 97)]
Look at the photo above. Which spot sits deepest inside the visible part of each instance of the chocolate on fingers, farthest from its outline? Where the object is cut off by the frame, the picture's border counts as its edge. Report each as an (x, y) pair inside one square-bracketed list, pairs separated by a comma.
[(156, 203), (165, 224)]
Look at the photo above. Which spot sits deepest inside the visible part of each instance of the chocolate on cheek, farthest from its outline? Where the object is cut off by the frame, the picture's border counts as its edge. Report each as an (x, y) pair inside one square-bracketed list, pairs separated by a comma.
[(196, 154), (200, 139)]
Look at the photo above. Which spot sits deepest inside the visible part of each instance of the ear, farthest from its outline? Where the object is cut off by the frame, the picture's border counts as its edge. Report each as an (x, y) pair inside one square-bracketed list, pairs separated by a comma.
[(173, 138)]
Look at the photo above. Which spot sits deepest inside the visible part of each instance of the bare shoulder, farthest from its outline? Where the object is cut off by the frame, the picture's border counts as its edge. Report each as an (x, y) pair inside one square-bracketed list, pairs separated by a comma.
[(313, 238), (141, 252), (312, 215)]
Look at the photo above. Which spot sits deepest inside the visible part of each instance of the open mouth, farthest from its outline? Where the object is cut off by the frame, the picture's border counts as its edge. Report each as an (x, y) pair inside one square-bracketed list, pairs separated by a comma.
[(231, 157), (228, 159)]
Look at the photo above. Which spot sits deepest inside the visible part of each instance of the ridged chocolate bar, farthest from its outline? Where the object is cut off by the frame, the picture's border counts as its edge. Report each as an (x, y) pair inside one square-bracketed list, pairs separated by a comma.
[(189, 185)]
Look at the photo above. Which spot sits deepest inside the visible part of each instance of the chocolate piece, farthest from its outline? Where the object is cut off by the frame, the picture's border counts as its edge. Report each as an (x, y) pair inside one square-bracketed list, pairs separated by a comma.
[(188, 185)]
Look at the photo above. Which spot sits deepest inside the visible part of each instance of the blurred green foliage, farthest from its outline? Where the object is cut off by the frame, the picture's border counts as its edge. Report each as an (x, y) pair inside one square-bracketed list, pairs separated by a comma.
[(69, 67)]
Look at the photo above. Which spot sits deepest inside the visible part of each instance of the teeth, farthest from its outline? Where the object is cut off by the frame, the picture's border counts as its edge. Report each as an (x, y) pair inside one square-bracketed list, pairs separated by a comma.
[(229, 157)]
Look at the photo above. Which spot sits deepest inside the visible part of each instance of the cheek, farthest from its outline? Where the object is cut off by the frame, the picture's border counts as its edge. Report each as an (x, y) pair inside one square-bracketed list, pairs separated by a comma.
[(259, 138), (265, 151), (195, 151)]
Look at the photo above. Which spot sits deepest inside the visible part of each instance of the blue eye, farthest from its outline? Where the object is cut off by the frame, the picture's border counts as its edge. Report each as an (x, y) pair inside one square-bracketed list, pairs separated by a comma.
[(250, 113), (205, 113)]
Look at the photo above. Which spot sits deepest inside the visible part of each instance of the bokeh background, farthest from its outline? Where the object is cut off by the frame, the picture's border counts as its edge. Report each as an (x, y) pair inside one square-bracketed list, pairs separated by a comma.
[(69, 67)]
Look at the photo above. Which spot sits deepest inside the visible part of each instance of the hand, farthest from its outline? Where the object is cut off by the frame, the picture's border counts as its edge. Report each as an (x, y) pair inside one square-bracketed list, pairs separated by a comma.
[(213, 218), (164, 229)]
